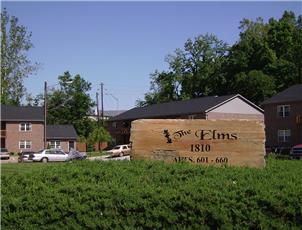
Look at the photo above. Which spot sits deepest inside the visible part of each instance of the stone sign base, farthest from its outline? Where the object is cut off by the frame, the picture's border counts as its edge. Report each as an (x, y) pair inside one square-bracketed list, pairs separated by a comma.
[(206, 142)]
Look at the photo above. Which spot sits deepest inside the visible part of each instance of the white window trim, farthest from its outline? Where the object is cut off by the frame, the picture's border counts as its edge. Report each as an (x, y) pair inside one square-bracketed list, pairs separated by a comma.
[(26, 142), (55, 144), (283, 131), (283, 110), (25, 125)]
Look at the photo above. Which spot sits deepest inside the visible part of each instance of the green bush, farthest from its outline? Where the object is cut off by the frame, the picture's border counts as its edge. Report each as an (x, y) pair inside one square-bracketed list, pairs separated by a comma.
[(151, 195)]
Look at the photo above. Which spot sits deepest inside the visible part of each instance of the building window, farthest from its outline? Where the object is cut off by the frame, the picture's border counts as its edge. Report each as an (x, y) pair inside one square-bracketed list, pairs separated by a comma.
[(125, 124), (114, 124), (284, 135), (25, 126), (55, 144), (283, 110), (24, 144)]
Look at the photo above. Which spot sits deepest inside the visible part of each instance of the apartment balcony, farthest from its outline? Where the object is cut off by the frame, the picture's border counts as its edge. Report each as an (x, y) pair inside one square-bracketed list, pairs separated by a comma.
[(3, 133)]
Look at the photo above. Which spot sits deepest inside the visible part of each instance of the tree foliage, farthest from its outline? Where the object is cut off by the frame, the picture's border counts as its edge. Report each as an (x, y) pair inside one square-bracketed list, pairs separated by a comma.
[(99, 134), (194, 71), (266, 59), (15, 65), (71, 103)]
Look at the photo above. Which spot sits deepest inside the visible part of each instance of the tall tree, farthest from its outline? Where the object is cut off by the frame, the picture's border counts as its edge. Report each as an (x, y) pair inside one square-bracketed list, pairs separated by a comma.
[(15, 65), (265, 60), (194, 71), (285, 39), (270, 52), (203, 59), (71, 103)]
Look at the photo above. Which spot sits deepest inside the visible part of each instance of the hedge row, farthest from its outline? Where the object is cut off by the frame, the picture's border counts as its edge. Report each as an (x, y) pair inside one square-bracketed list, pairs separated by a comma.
[(152, 195)]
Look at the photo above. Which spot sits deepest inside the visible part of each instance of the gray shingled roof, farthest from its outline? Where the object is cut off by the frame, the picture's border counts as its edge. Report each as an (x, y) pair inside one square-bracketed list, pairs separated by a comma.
[(293, 93), (177, 108), (113, 113), (21, 113), (61, 132), (109, 113)]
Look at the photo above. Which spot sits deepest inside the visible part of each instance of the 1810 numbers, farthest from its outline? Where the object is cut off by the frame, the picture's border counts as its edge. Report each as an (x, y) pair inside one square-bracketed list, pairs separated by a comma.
[(200, 148)]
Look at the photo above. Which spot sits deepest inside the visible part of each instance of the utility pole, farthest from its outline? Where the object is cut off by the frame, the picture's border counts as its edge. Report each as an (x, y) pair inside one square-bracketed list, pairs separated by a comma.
[(97, 109), (98, 117), (102, 103), (45, 114)]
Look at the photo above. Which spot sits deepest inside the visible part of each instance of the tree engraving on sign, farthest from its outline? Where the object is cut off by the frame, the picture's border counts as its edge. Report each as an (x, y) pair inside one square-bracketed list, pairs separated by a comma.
[(216, 142)]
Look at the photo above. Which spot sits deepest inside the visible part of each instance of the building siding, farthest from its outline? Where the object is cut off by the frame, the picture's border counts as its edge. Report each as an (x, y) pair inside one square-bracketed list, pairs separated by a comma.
[(63, 143), (121, 133), (234, 116), (237, 105), (13, 136), (273, 123)]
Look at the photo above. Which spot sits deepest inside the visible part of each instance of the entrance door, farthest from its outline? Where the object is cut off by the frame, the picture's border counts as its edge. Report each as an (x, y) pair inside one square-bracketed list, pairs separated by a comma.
[(2, 142), (71, 145)]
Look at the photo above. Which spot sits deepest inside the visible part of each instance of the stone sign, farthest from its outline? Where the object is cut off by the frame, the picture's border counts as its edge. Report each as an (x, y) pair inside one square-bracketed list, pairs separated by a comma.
[(210, 142)]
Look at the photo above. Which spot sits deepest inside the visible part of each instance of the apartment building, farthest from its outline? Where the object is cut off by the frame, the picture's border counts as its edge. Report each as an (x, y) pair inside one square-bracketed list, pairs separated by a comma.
[(212, 107), (283, 119), (22, 129)]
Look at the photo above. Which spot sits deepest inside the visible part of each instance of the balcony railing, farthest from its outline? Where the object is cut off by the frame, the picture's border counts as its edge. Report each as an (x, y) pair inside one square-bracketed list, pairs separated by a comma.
[(3, 133)]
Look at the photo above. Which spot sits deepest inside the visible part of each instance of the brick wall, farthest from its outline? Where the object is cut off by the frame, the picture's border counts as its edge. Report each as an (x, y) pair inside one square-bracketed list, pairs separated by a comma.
[(273, 122), (13, 136), (64, 144)]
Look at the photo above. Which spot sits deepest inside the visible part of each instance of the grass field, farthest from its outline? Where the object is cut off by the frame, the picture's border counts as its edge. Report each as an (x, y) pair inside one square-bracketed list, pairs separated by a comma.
[(150, 195), (96, 154)]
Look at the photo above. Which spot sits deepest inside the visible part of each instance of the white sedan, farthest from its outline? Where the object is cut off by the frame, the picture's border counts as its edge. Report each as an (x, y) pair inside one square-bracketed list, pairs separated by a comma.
[(47, 155)]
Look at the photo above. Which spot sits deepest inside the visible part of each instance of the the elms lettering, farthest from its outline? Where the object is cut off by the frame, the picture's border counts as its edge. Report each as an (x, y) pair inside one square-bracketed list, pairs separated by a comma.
[(215, 135), (202, 134)]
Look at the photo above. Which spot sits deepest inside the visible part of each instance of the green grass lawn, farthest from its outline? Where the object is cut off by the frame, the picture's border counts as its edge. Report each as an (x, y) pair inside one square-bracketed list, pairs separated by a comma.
[(150, 195), (96, 154)]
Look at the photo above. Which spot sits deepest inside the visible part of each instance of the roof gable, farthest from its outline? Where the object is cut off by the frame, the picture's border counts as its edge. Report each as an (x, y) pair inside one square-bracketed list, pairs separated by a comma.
[(237, 106)]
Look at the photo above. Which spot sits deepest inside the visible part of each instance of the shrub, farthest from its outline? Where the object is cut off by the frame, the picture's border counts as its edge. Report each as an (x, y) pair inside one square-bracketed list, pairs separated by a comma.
[(151, 195)]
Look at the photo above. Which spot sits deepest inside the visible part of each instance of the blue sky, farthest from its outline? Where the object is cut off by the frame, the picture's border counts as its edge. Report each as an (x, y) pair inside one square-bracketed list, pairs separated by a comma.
[(121, 43)]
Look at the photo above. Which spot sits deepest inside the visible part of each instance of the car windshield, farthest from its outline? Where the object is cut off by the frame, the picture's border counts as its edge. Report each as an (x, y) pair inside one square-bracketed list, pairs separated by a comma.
[(117, 147), (39, 152)]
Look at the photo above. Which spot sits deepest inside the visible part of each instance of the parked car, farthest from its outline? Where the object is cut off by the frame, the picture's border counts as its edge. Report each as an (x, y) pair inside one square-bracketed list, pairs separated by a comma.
[(75, 155), (47, 155), (4, 154), (120, 150), (24, 156), (296, 152)]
